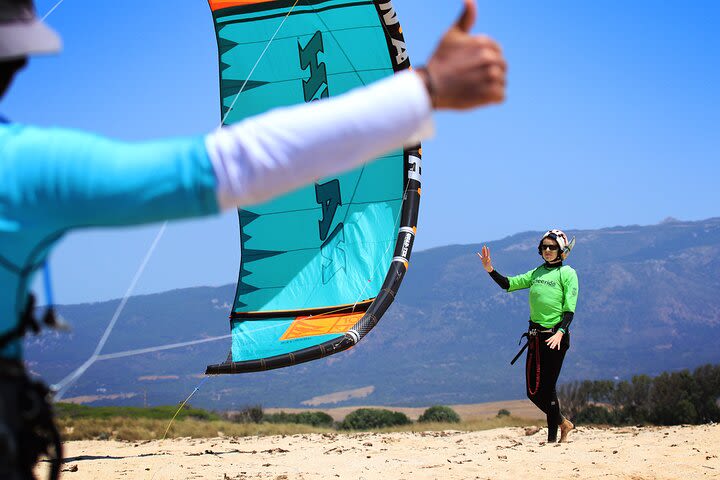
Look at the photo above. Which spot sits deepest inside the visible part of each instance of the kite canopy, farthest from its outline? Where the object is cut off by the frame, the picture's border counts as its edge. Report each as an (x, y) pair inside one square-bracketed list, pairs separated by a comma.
[(320, 265)]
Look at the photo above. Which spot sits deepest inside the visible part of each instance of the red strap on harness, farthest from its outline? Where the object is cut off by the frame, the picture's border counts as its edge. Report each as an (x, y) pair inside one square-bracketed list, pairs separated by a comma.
[(533, 348)]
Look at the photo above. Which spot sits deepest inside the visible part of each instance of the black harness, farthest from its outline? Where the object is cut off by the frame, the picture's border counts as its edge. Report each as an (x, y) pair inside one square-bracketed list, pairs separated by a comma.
[(28, 323), (533, 344), (27, 429)]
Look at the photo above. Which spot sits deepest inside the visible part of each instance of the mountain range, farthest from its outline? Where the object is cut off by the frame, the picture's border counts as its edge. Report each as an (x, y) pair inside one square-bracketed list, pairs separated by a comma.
[(648, 303)]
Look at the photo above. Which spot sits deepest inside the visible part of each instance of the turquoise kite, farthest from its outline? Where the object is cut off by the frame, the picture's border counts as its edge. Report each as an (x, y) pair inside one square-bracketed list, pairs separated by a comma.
[(320, 265)]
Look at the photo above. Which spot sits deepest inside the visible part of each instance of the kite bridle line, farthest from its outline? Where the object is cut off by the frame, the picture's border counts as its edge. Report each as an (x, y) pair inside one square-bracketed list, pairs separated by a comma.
[(183, 405), (257, 62), (62, 386), (51, 10)]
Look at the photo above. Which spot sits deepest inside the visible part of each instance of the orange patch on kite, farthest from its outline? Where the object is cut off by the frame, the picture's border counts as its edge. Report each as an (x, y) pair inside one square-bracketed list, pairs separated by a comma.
[(321, 325), (220, 4)]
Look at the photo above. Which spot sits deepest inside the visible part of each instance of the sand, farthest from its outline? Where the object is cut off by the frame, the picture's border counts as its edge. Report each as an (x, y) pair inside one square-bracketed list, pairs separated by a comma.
[(682, 452)]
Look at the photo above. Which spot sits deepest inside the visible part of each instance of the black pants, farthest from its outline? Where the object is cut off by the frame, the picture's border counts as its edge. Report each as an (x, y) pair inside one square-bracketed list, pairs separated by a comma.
[(540, 388), (27, 429)]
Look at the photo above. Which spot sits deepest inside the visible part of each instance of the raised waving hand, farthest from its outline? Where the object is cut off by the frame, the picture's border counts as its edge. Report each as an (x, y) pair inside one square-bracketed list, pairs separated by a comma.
[(485, 258)]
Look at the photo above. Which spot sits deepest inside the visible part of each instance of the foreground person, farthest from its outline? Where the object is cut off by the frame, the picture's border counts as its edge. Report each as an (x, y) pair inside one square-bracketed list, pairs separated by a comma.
[(55, 180), (553, 296)]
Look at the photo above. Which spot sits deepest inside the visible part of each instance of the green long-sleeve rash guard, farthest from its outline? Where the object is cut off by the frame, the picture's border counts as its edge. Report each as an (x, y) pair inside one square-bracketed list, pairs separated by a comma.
[(553, 290)]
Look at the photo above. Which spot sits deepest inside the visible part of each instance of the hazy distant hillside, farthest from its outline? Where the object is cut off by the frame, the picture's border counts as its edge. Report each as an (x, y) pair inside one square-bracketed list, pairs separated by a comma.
[(648, 302)]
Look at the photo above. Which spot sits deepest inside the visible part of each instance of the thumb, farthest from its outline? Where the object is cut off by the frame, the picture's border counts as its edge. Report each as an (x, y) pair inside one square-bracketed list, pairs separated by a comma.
[(467, 17)]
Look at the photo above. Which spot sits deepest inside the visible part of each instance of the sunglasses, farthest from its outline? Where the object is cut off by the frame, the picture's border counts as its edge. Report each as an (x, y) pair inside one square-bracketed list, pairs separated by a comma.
[(549, 247)]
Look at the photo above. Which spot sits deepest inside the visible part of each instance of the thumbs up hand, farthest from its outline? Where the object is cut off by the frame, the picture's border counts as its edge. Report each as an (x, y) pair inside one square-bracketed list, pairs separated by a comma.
[(466, 70)]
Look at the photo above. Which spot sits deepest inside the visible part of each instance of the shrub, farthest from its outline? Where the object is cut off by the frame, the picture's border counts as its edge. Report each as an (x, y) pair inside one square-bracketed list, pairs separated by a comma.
[(503, 413), (69, 410), (574, 397), (439, 414), (707, 379), (251, 414), (595, 414), (316, 419), (371, 418)]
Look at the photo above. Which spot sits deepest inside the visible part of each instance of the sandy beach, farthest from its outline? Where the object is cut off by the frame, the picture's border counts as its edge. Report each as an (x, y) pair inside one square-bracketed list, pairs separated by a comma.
[(681, 452)]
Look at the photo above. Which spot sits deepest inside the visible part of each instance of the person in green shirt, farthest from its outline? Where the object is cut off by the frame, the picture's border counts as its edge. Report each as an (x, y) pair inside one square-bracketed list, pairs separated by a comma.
[(553, 297)]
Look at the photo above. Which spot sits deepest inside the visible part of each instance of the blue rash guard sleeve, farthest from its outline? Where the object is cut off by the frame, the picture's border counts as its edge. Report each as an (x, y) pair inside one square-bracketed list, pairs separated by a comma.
[(71, 179), (54, 180)]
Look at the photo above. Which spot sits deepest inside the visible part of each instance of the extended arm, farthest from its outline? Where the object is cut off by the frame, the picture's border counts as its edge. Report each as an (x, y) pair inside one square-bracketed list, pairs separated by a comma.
[(90, 181), (74, 179), (270, 154), (509, 284), (280, 151), (501, 280)]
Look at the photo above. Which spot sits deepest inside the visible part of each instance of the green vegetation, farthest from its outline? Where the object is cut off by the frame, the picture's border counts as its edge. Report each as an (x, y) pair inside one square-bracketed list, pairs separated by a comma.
[(135, 424), (464, 426), (252, 414), (73, 411), (439, 414), (316, 419), (668, 399), (136, 429), (373, 418)]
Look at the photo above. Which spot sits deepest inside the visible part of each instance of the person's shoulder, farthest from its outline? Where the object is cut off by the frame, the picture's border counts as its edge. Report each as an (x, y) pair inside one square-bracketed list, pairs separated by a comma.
[(568, 269)]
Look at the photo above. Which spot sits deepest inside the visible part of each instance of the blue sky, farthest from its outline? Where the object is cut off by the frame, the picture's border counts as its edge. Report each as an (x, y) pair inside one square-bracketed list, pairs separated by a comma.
[(612, 118)]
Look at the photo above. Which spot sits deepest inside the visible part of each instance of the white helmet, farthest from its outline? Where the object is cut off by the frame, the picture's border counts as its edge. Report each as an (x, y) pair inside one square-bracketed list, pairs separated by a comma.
[(562, 240)]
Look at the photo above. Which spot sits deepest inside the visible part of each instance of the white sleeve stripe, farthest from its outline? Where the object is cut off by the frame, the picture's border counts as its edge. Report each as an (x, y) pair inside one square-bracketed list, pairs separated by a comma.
[(272, 153)]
